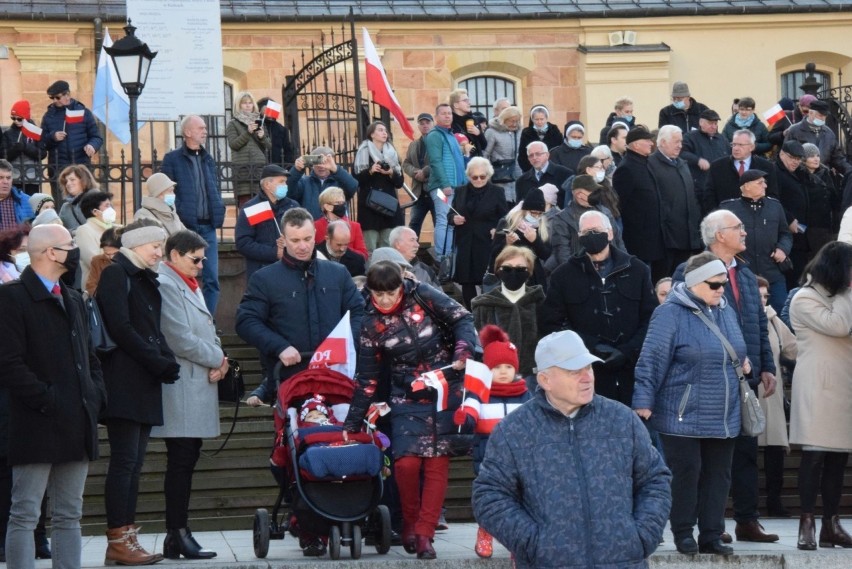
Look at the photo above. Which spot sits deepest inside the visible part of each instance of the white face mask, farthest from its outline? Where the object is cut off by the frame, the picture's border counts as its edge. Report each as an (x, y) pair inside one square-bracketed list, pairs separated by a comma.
[(22, 260), (109, 215), (599, 176)]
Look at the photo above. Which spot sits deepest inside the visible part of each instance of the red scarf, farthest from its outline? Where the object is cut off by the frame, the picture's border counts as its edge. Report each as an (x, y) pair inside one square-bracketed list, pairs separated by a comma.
[(517, 387), (192, 282), (390, 310)]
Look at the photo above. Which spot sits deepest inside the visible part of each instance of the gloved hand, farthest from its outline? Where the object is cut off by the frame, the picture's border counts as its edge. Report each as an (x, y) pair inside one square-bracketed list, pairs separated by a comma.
[(459, 417), (171, 373), (612, 357)]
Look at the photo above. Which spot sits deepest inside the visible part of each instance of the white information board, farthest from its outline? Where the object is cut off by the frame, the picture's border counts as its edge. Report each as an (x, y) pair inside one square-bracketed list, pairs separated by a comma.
[(186, 76)]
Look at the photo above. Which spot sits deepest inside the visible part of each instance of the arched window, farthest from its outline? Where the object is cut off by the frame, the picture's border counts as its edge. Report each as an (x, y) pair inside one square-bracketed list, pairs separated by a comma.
[(791, 81), (485, 89)]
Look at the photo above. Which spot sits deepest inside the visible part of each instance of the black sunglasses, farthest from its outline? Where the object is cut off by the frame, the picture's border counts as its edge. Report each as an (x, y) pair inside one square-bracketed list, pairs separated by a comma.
[(59, 96), (714, 285), (196, 260), (508, 269), (16, 119)]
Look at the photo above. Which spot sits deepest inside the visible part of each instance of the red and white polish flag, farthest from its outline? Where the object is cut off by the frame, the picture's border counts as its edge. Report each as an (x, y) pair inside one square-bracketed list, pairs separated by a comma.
[(259, 213), (377, 82), (30, 130), (774, 115), (442, 196), (477, 379), (72, 117), (337, 351), (272, 110), (434, 380)]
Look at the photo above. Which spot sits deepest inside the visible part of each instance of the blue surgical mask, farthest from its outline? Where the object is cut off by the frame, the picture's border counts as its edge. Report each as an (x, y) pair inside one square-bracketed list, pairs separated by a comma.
[(574, 143), (626, 118), (542, 129), (741, 122), (169, 199), (818, 122), (281, 192), (680, 105), (599, 176), (531, 219)]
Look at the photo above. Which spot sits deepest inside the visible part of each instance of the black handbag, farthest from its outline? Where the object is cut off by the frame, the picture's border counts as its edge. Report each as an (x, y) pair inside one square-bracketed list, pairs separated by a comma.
[(232, 387), (101, 340), (382, 203), (504, 171)]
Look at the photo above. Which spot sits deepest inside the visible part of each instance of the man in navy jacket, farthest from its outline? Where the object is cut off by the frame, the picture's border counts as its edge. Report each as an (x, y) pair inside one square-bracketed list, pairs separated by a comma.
[(68, 138)]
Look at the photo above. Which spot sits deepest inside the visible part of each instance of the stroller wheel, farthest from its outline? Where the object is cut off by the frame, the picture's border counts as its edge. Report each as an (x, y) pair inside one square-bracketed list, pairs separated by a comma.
[(261, 533), (383, 539), (334, 542), (355, 547)]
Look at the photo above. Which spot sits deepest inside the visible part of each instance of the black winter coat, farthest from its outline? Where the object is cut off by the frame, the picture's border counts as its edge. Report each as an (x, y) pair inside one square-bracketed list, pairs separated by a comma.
[(518, 319), (285, 305), (766, 229), (555, 174), (16, 145), (258, 243), (482, 209), (408, 342), (54, 382), (540, 247), (698, 145), (552, 138), (762, 145), (70, 150), (794, 189), (679, 208), (281, 152), (686, 119), (640, 208), (368, 218), (569, 157), (723, 180), (613, 311), (135, 371), (460, 126)]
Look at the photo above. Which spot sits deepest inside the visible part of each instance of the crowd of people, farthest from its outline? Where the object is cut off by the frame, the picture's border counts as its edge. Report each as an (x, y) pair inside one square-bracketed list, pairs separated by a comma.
[(656, 271)]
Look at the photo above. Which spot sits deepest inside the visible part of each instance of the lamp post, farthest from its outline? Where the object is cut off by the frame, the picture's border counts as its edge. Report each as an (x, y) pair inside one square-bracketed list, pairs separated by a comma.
[(132, 59)]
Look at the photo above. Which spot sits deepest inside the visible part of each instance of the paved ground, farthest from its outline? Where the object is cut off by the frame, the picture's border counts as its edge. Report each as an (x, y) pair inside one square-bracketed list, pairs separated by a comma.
[(455, 550)]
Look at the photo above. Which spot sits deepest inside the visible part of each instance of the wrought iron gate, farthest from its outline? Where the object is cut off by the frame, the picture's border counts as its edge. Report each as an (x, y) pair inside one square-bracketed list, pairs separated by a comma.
[(323, 105)]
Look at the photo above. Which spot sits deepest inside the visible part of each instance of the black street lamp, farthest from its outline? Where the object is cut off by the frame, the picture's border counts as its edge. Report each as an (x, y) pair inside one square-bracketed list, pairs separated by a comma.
[(132, 59)]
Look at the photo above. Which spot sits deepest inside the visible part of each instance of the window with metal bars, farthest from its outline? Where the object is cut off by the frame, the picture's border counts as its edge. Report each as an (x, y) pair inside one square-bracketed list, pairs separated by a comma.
[(791, 81), (484, 90)]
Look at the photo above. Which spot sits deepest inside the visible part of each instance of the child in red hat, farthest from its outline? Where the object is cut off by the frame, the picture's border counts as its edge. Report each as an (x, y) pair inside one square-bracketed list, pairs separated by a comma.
[(508, 392)]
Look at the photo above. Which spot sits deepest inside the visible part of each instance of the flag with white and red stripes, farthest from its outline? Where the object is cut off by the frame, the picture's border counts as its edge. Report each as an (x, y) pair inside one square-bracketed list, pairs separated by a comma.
[(377, 82), (434, 380), (259, 213), (30, 130), (72, 116), (272, 110), (774, 115), (477, 379)]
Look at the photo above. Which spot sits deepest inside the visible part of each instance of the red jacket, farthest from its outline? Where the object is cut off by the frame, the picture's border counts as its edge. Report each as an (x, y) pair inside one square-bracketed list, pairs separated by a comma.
[(356, 244)]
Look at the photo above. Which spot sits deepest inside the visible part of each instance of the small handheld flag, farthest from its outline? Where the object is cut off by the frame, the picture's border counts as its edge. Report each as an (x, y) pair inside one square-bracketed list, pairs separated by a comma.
[(72, 117), (273, 110), (774, 115), (434, 380), (259, 213), (30, 130)]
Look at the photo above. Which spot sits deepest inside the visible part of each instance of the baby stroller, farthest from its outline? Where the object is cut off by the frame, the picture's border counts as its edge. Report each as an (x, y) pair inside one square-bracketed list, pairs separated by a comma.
[(331, 486)]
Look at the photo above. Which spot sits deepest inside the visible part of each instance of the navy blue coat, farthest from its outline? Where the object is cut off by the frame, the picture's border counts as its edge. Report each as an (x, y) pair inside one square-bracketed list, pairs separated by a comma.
[(70, 150), (177, 165), (588, 491), (286, 306), (685, 375), (306, 189), (257, 243), (751, 317)]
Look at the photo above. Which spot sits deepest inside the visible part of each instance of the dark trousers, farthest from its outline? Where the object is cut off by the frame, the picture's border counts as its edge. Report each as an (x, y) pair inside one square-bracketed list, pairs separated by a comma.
[(128, 441), (421, 208), (40, 533), (821, 471), (773, 468), (701, 478), (181, 456), (744, 476)]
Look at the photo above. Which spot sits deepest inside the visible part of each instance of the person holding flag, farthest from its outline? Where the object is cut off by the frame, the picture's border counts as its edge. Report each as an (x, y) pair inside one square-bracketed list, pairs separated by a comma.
[(493, 390), (281, 152), (258, 236), (413, 341), (70, 133), (23, 149)]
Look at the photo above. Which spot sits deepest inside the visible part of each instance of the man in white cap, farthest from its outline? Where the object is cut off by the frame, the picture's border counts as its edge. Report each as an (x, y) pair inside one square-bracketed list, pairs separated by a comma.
[(572, 475)]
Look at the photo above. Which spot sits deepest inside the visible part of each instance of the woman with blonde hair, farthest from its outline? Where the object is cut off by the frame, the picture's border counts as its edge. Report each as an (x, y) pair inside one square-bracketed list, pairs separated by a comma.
[(526, 226), (249, 146), (504, 136), (75, 180), (332, 202)]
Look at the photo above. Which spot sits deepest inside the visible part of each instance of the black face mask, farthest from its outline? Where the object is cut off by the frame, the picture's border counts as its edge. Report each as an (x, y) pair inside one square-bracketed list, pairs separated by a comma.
[(72, 260), (513, 278), (339, 210), (594, 242)]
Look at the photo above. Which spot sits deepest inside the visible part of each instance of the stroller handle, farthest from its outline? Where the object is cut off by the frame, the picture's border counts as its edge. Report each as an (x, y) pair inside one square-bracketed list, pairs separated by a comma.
[(276, 371)]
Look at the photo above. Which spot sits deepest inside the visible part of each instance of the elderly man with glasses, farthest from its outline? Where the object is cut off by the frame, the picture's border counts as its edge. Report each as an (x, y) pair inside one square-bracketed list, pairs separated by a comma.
[(56, 393), (69, 131)]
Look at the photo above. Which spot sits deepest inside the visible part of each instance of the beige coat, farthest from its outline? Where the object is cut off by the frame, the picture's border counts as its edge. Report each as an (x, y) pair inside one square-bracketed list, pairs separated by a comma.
[(191, 404), (156, 209), (783, 342), (822, 383)]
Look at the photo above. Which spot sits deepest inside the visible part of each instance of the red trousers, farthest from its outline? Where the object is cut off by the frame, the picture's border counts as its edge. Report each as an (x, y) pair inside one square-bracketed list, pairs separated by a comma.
[(421, 507)]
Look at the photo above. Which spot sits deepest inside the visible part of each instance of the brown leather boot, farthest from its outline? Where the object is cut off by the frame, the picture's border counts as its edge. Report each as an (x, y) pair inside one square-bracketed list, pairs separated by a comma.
[(807, 537), (753, 531), (123, 549), (134, 535), (832, 533)]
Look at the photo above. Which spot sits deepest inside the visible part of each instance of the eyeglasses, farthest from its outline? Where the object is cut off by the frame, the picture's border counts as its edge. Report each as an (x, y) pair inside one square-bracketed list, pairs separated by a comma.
[(715, 285), (536, 154), (196, 260), (514, 269), (482, 177), (736, 144), (59, 96), (593, 231), (740, 227), (16, 119), (71, 246)]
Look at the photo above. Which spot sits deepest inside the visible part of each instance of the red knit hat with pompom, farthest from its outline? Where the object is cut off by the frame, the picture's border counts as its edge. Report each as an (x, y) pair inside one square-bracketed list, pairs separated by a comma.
[(497, 347), (21, 109)]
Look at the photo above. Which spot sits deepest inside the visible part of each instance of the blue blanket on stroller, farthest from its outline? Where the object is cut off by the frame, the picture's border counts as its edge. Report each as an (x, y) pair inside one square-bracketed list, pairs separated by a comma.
[(323, 461)]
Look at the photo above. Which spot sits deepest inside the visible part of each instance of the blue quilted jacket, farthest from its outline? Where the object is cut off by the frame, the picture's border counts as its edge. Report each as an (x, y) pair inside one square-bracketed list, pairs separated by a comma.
[(177, 165), (70, 150), (588, 491), (684, 374)]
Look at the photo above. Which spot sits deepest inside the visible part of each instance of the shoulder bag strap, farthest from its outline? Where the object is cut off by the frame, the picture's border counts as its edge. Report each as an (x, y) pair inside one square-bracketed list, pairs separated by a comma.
[(725, 343)]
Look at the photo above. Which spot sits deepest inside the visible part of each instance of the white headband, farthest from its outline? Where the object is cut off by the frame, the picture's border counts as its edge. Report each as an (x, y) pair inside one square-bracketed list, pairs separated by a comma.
[(704, 272), (575, 126), (137, 237), (538, 108)]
